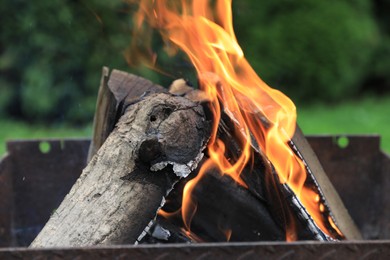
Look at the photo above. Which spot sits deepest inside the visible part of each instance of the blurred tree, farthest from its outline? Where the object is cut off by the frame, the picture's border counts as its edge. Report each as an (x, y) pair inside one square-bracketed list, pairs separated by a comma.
[(52, 51), (309, 49), (378, 79), (51, 54)]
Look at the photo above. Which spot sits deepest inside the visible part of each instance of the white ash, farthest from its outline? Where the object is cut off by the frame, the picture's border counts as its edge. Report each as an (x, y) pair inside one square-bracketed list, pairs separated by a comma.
[(181, 170), (160, 233)]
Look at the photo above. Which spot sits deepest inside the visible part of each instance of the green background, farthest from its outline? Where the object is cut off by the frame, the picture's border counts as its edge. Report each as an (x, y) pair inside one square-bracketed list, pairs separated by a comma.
[(331, 57)]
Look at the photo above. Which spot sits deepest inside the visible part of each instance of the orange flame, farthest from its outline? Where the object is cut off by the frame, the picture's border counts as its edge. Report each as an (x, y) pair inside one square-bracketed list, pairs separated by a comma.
[(205, 33)]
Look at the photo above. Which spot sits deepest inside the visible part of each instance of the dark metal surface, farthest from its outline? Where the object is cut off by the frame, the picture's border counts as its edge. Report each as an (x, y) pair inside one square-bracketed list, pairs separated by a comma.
[(5, 201), (302, 250), (40, 180), (360, 174), (32, 184)]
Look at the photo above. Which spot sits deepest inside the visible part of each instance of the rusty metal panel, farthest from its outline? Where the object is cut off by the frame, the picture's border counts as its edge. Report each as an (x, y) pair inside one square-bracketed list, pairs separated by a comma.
[(357, 171), (256, 250), (360, 172), (5, 201), (43, 173), (385, 169)]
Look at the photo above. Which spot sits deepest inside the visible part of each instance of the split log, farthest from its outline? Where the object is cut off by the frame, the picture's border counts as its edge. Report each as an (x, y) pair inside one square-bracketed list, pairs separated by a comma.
[(227, 211), (332, 199), (266, 206), (118, 194), (105, 115), (318, 181)]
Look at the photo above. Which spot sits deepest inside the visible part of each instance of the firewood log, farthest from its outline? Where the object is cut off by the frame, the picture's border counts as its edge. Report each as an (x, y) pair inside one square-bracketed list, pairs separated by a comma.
[(158, 140)]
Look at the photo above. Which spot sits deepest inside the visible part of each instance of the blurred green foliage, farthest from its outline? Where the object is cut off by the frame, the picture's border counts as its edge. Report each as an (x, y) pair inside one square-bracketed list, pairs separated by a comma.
[(51, 52), (309, 49), (379, 72), (365, 115)]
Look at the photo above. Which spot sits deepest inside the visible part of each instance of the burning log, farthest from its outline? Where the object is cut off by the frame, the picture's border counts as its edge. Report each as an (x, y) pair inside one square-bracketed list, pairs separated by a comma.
[(159, 136), (261, 211), (225, 211), (157, 140)]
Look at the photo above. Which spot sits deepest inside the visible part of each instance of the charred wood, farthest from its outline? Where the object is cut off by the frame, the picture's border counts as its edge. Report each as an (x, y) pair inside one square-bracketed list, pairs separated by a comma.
[(227, 211)]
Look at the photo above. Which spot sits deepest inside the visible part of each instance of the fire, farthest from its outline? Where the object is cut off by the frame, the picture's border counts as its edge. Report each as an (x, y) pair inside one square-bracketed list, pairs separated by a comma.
[(204, 31)]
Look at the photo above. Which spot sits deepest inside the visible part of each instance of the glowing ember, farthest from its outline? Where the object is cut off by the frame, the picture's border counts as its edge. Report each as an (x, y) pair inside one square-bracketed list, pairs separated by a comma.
[(205, 33)]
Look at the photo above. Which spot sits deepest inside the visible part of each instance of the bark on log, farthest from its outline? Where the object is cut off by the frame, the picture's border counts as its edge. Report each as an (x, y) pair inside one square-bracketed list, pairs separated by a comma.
[(117, 194), (105, 115), (117, 91)]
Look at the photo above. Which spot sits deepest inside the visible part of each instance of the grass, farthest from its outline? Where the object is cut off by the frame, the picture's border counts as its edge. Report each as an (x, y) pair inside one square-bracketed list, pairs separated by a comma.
[(11, 129), (368, 115)]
